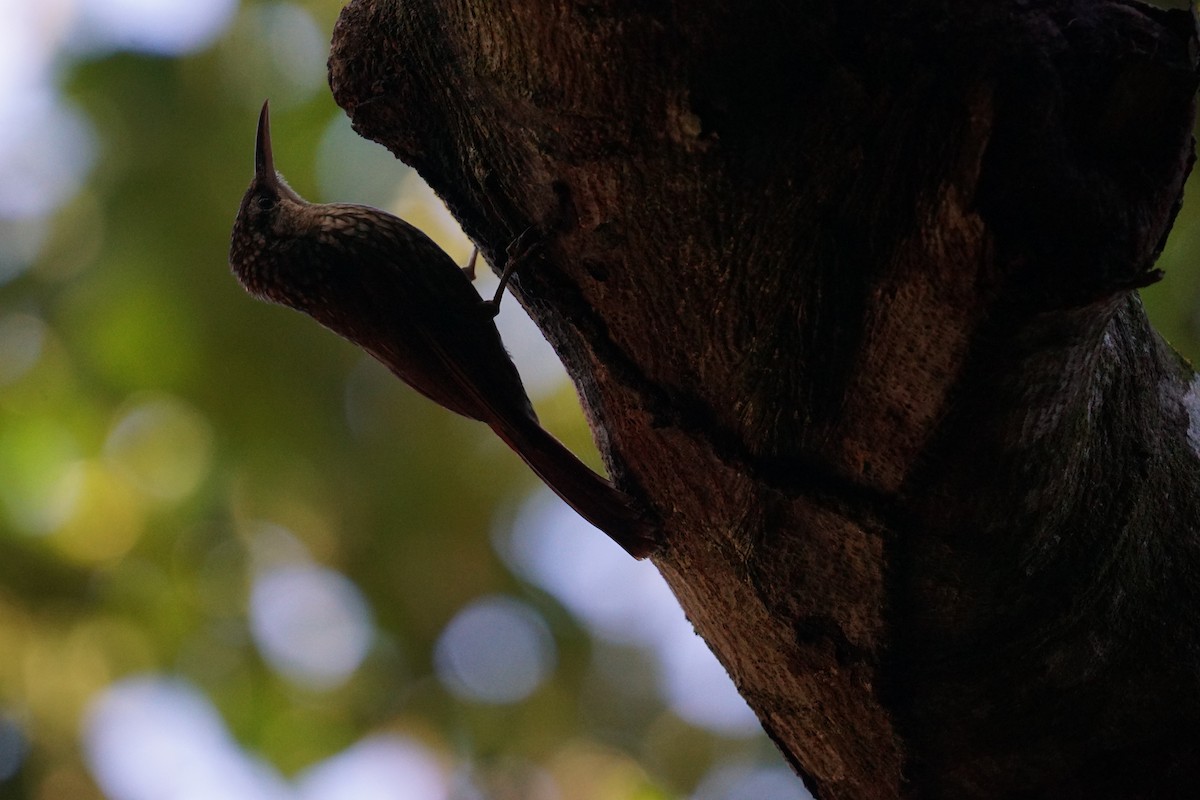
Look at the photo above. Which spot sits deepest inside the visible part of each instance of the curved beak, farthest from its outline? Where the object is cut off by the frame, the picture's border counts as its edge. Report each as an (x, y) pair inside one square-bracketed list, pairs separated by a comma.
[(264, 164)]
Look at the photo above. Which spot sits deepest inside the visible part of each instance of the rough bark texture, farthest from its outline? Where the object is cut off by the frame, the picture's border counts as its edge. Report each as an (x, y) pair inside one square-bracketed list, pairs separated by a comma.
[(848, 291)]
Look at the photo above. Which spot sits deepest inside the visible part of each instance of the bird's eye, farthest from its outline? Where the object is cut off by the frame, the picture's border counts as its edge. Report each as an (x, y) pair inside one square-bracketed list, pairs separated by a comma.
[(265, 202)]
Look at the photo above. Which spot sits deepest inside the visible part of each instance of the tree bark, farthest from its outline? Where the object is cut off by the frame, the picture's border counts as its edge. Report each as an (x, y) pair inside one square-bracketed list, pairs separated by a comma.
[(848, 290)]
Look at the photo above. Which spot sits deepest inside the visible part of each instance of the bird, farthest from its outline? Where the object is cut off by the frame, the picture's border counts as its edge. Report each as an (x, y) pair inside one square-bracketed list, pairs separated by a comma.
[(381, 283)]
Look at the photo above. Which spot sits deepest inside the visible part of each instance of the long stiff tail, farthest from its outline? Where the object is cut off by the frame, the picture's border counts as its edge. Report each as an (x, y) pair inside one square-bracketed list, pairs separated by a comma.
[(593, 497)]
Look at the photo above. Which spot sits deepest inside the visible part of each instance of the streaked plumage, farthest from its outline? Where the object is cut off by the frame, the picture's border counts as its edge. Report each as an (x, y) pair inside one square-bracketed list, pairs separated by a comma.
[(381, 283)]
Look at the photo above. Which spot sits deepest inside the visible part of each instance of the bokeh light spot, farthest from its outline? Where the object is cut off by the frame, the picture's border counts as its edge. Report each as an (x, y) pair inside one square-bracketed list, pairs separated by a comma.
[(555, 549), (39, 489), (149, 738), (377, 768), (28, 37), (46, 149), (698, 689), (496, 650), (106, 517), (164, 445), (310, 623), (163, 27), (748, 782)]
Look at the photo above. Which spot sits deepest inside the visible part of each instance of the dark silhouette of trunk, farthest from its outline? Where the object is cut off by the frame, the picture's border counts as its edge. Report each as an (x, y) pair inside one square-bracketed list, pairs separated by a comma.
[(848, 288)]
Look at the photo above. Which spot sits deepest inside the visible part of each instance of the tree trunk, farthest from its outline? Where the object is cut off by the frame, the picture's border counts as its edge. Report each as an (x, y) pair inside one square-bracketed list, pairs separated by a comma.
[(848, 290)]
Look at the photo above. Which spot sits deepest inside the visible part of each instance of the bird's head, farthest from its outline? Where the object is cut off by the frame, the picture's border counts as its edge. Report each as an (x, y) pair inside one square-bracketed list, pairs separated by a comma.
[(272, 220)]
